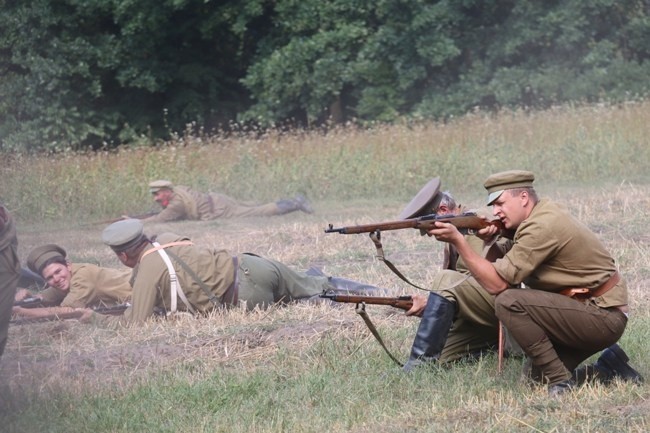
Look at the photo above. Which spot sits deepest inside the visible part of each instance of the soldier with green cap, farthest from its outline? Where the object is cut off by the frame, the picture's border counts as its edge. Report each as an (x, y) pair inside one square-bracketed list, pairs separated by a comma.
[(184, 203), (556, 290), (172, 274), (9, 272), (72, 285)]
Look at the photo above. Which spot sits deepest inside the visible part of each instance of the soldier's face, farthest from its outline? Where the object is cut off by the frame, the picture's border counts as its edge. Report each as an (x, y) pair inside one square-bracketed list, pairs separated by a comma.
[(512, 208), (58, 275), (162, 197)]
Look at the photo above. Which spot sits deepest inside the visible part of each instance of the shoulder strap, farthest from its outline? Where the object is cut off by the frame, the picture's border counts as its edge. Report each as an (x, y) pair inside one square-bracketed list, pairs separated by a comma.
[(157, 246), (376, 239), (361, 311), (175, 289)]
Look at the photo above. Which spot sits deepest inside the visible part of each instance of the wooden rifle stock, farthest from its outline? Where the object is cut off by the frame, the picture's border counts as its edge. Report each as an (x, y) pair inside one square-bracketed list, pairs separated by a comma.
[(466, 223), (401, 302)]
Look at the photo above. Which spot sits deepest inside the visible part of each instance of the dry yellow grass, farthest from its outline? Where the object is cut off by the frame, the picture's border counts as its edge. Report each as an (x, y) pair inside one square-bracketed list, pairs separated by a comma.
[(316, 367)]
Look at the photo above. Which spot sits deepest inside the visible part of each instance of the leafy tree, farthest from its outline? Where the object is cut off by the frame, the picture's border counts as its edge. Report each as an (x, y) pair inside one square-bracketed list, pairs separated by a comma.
[(78, 73), (390, 58), (89, 71), (370, 56)]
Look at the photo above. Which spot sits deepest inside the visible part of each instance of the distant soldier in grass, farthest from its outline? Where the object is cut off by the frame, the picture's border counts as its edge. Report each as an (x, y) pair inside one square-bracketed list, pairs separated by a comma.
[(72, 285), (574, 303), (9, 271), (171, 273), (184, 203)]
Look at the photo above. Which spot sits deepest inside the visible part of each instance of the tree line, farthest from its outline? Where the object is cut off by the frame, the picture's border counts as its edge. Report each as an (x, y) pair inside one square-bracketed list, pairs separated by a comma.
[(89, 73)]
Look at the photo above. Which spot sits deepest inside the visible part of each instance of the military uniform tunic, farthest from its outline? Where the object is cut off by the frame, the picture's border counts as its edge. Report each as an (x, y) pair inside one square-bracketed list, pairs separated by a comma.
[(91, 286), (9, 272), (189, 204), (257, 281), (553, 251)]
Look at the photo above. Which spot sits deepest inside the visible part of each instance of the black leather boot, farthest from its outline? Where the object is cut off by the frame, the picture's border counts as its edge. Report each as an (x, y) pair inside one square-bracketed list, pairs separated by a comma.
[(303, 204), (344, 285), (616, 360), (286, 205), (431, 336), (300, 203), (612, 363), (352, 287)]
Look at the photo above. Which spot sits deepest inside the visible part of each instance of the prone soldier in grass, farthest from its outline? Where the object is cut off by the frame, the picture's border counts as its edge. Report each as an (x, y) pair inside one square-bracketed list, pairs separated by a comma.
[(171, 273), (184, 203), (71, 285)]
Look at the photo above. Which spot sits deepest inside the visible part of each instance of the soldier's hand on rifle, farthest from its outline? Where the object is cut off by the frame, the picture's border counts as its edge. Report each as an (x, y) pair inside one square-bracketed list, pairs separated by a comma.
[(419, 302), (488, 233), (23, 294), (445, 232)]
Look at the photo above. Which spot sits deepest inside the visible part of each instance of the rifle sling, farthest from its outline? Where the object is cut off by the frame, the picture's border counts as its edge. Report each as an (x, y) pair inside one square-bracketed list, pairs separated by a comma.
[(361, 311), (376, 239)]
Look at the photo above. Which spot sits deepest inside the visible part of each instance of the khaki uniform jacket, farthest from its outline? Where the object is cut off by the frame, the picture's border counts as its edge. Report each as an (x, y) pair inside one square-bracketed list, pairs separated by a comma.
[(188, 204), (92, 286), (553, 251), (151, 282)]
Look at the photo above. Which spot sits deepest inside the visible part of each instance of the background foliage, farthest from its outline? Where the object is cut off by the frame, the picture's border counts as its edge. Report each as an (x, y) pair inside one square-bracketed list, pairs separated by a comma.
[(93, 73)]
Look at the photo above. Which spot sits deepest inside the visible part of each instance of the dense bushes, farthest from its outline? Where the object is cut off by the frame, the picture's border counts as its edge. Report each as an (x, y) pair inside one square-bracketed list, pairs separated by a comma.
[(90, 73)]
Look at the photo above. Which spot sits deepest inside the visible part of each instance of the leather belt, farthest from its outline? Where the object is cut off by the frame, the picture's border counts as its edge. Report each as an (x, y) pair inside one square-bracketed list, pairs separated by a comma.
[(231, 295), (582, 293)]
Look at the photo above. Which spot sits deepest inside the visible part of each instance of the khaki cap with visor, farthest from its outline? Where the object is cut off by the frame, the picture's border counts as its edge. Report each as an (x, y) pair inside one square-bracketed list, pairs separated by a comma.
[(122, 235), (40, 255), (157, 185), (426, 201), (499, 182)]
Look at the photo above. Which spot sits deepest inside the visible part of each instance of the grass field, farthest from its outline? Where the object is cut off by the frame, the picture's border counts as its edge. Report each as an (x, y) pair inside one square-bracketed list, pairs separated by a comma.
[(315, 367)]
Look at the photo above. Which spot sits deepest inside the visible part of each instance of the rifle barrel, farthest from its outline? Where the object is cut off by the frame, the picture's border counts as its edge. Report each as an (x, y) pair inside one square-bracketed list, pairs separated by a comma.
[(463, 222), (402, 302), (30, 303)]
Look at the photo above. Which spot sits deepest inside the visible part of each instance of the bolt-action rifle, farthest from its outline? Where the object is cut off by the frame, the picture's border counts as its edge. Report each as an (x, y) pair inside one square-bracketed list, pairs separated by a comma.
[(466, 223), (401, 302), (32, 302), (115, 310), (137, 217)]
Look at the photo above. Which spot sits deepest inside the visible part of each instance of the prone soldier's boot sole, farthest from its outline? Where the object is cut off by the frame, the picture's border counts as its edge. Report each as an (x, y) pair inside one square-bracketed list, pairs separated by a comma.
[(615, 358)]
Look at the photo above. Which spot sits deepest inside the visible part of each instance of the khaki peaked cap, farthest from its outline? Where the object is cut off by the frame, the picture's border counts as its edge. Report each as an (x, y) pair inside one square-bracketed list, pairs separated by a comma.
[(425, 201), (157, 185), (499, 182), (124, 234), (40, 255)]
